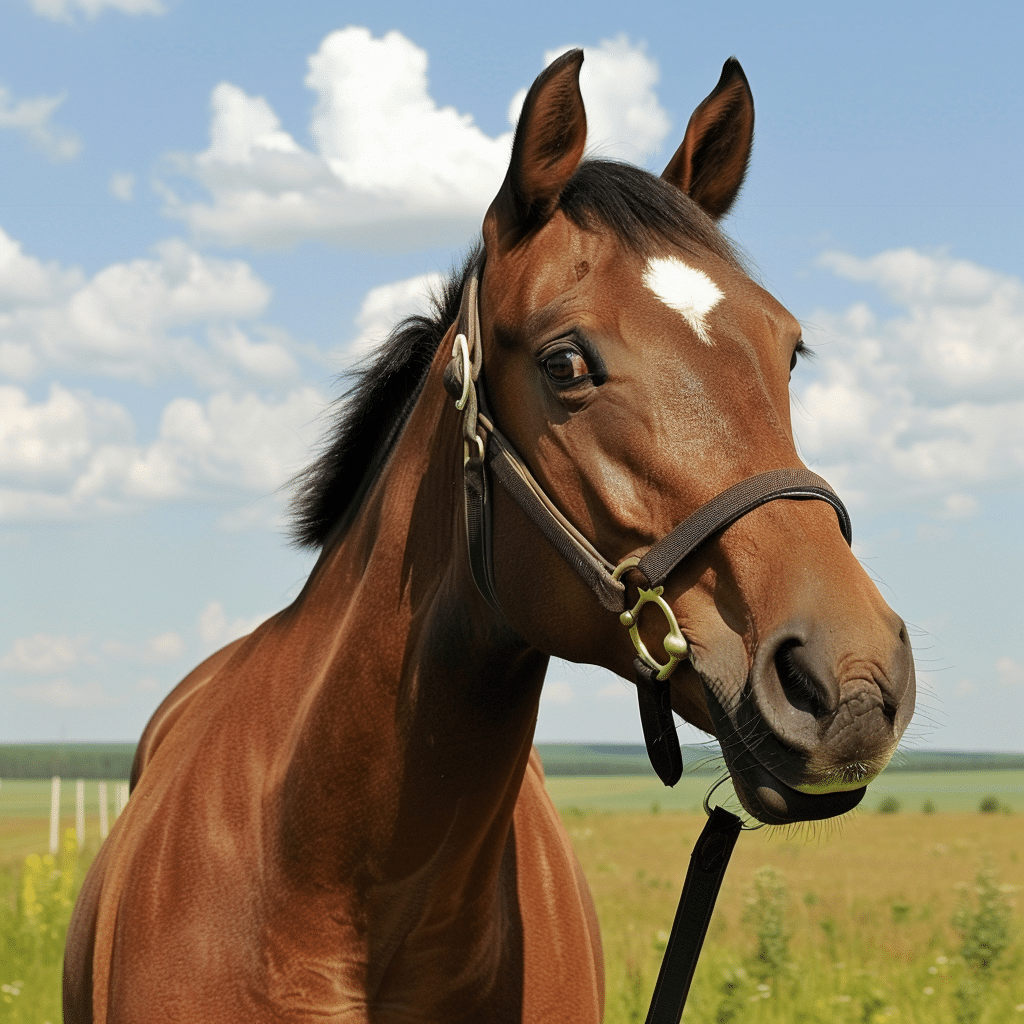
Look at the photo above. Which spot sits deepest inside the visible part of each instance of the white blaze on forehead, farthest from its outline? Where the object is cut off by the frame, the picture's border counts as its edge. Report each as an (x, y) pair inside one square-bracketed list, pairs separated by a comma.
[(690, 292)]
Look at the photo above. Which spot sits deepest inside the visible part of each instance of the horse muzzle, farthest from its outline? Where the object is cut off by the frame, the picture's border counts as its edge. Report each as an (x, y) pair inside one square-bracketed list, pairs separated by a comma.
[(808, 732)]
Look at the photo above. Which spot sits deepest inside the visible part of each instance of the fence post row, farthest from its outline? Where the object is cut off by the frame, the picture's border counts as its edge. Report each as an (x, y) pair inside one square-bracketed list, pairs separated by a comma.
[(120, 801)]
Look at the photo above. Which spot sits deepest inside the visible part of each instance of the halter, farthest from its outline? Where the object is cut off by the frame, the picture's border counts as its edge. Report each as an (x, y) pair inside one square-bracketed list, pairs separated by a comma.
[(486, 448)]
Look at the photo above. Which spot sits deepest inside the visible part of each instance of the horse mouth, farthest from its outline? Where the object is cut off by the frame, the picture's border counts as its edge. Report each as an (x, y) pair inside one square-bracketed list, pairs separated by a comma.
[(763, 794), (770, 800)]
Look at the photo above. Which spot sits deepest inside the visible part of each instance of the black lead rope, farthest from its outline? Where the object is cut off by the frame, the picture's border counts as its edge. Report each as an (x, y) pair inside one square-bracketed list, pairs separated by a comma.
[(708, 862)]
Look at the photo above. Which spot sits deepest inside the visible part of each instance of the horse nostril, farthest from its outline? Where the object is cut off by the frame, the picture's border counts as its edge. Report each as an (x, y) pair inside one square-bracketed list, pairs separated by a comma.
[(798, 683)]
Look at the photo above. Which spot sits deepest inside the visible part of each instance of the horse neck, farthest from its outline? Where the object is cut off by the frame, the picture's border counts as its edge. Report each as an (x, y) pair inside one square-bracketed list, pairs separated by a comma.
[(418, 731)]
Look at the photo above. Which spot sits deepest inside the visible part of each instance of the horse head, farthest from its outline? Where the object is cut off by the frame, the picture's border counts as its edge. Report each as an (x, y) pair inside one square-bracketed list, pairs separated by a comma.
[(629, 354)]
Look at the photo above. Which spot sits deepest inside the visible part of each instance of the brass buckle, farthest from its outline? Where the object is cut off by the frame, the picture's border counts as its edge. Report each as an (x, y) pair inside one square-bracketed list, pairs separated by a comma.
[(675, 643)]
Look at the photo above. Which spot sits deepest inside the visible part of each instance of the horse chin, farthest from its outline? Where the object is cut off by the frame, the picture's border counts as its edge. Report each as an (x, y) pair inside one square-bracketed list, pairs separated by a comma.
[(765, 796), (770, 800)]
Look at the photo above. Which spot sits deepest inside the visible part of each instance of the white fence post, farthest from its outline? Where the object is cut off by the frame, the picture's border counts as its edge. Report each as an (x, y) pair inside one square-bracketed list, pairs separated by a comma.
[(80, 812), (121, 797), (101, 792), (55, 814)]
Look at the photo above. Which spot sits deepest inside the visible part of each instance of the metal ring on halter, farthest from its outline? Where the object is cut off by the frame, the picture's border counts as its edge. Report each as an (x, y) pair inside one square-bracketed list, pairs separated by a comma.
[(676, 646), (707, 808), (462, 345)]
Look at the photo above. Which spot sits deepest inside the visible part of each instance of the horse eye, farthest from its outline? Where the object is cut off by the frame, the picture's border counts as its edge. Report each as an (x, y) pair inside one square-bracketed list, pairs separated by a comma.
[(800, 350), (566, 366)]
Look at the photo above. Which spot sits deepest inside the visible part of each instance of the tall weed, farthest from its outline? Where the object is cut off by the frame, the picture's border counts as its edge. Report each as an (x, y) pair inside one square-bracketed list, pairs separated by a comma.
[(984, 926), (32, 936)]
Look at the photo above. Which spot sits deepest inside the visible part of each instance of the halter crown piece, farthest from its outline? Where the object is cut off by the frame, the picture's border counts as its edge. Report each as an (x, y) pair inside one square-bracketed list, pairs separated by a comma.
[(487, 452)]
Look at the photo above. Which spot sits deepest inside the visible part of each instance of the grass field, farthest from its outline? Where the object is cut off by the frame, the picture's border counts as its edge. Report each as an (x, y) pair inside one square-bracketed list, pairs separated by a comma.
[(850, 923)]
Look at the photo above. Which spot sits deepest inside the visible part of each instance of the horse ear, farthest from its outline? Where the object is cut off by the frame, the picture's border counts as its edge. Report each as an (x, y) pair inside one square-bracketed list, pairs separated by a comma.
[(548, 146), (711, 163)]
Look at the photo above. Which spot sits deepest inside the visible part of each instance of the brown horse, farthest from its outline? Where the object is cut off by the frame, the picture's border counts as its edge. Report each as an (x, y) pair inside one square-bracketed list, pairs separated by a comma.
[(339, 816)]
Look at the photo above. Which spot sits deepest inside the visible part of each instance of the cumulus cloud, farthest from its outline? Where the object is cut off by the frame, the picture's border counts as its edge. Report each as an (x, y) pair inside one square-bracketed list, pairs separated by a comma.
[(625, 121), (929, 402), (68, 10), (75, 672), (74, 454), (44, 654), (390, 168), (216, 629), (32, 119), (70, 452), (122, 186), (60, 693), (1010, 672), (557, 691), (386, 305), (165, 647), (136, 320)]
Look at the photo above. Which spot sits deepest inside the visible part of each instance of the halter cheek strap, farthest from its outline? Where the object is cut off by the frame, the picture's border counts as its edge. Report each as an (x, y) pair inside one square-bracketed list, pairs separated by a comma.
[(488, 453)]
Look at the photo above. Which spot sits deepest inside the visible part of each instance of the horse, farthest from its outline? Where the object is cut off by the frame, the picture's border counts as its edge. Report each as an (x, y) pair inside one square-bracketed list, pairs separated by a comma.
[(341, 815)]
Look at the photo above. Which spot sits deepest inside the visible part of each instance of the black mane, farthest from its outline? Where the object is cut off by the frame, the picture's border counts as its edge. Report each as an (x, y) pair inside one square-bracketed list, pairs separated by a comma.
[(642, 210)]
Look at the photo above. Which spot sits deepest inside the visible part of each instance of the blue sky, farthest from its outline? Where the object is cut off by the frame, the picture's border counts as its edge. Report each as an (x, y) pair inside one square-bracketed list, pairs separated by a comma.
[(208, 209)]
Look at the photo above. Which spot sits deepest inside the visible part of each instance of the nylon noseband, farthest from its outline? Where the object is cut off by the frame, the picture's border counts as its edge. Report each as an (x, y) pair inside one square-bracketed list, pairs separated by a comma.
[(486, 449)]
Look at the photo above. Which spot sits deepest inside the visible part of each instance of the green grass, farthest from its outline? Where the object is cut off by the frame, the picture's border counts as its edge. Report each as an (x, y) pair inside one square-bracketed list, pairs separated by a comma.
[(873, 919), (856, 925), (35, 907)]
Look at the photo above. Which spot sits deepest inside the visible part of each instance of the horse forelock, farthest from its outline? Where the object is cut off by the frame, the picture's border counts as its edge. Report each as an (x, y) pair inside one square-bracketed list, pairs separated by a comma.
[(648, 215)]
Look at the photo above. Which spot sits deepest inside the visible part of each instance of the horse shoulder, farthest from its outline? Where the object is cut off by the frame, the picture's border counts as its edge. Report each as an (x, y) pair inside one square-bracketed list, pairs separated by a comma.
[(563, 960), (172, 706)]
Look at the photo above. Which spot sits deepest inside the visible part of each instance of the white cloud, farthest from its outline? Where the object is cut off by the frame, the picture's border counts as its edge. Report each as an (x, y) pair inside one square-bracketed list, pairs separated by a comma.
[(122, 186), (62, 694), (32, 119), (625, 120), (27, 282), (231, 442), (67, 10), (618, 691), (1009, 672), (386, 305), (391, 168), (959, 506), (929, 402), (165, 647), (216, 629), (74, 454), (135, 320), (49, 441), (44, 654), (557, 691)]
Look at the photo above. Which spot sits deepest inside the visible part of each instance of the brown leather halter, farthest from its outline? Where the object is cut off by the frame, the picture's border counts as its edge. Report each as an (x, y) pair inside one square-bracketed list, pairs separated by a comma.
[(486, 448)]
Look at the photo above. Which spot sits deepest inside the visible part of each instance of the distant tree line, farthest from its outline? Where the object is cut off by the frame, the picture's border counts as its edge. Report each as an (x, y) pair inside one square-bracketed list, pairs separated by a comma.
[(114, 760), (631, 759), (69, 760)]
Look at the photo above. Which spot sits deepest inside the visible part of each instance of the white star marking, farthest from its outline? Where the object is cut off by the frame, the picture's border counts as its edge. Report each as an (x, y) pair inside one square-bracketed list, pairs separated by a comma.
[(690, 292)]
